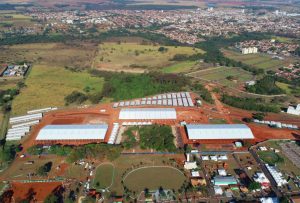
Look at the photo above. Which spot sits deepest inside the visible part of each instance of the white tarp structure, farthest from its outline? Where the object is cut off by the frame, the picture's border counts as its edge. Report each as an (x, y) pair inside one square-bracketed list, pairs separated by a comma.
[(218, 131), (147, 113), (73, 132)]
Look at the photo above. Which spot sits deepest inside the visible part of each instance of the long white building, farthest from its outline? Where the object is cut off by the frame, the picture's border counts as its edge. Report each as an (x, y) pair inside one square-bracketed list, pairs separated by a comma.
[(147, 113), (218, 131), (72, 133)]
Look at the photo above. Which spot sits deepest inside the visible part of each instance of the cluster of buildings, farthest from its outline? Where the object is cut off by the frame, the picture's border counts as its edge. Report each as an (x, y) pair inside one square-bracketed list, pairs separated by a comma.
[(289, 72), (276, 124), (249, 50), (21, 125), (14, 70), (267, 46), (183, 25)]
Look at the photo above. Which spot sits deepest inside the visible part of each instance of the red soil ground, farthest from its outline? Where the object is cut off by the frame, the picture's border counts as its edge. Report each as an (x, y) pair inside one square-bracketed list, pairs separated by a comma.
[(39, 191)]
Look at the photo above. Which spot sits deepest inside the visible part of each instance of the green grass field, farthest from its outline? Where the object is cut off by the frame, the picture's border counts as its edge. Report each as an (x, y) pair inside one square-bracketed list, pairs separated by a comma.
[(136, 57), (154, 177), (220, 75), (270, 157), (125, 163), (180, 67), (259, 60), (104, 176), (48, 85)]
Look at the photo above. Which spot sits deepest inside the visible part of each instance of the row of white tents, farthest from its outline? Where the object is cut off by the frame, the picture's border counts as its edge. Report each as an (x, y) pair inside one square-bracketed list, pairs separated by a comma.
[(277, 124), (21, 125)]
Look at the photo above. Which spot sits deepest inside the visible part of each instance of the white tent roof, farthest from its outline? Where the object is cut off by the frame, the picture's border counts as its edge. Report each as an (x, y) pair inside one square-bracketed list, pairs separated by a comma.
[(216, 131), (147, 113), (72, 132)]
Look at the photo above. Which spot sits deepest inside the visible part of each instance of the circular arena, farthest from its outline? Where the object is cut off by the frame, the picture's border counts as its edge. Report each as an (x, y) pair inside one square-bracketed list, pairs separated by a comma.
[(153, 177)]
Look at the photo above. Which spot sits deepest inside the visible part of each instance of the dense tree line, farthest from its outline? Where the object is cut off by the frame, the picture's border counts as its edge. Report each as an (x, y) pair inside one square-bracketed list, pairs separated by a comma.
[(157, 137), (251, 104), (121, 86), (266, 85), (75, 153)]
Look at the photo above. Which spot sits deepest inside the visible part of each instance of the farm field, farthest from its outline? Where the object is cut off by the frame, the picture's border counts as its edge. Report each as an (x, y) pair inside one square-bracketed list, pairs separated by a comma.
[(134, 57), (11, 18), (259, 60), (104, 176), (220, 75), (47, 86)]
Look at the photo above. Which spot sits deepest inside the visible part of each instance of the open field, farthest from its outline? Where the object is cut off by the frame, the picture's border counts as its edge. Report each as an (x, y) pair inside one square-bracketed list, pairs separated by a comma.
[(180, 67), (136, 57), (47, 86), (154, 177), (13, 19), (127, 163), (104, 176), (220, 75), (76, 55), (259, 60)]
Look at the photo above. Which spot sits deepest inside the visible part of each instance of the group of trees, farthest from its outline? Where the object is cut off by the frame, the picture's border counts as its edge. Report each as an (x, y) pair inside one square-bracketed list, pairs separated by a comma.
[(157, 137), (203, 92), (44, 169), (74, 153), (130, 140), (121, 86), (251, 104), (266, 85)]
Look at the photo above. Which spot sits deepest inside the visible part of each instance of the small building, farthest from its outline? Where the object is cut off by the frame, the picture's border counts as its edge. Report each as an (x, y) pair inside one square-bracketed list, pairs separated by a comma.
[(269, 200), (294, 110), (224, 180), (222, 172), (261, 178), (218, 190), (249, 50), (190, 165)]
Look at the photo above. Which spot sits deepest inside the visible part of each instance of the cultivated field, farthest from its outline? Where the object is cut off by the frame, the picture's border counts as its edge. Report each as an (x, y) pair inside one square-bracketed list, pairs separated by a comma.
[(47, 86), (259, 60), (134, 57), (12, 19)]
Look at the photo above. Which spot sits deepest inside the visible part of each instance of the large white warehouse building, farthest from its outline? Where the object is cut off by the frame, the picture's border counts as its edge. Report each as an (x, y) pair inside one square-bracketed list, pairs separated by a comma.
[(72, 133), (218, 131), (147, 113)]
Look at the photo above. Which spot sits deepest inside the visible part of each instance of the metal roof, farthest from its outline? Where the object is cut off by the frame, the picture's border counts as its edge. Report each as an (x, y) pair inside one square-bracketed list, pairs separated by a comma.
[(219, 131), (148, 113), (73, 132)]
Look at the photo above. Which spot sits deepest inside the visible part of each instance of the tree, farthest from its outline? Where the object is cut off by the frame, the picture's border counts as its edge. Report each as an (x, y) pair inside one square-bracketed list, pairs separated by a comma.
[(254, 186), (51, 199), (259, 116), (44, 169)]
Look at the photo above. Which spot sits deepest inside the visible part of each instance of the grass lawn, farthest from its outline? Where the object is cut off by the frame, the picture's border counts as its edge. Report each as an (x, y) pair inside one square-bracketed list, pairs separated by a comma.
[(47, 86), (180, 67), (220, 75), (284, 86), (104, 176), (125, 163), (270, 157), (75, 171), (154, 177), (259, 60), (133, 56), (217, 121)]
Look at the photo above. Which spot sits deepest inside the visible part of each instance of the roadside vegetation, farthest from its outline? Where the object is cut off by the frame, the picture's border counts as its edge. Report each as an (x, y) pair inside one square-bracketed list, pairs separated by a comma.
[(251, 104)]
